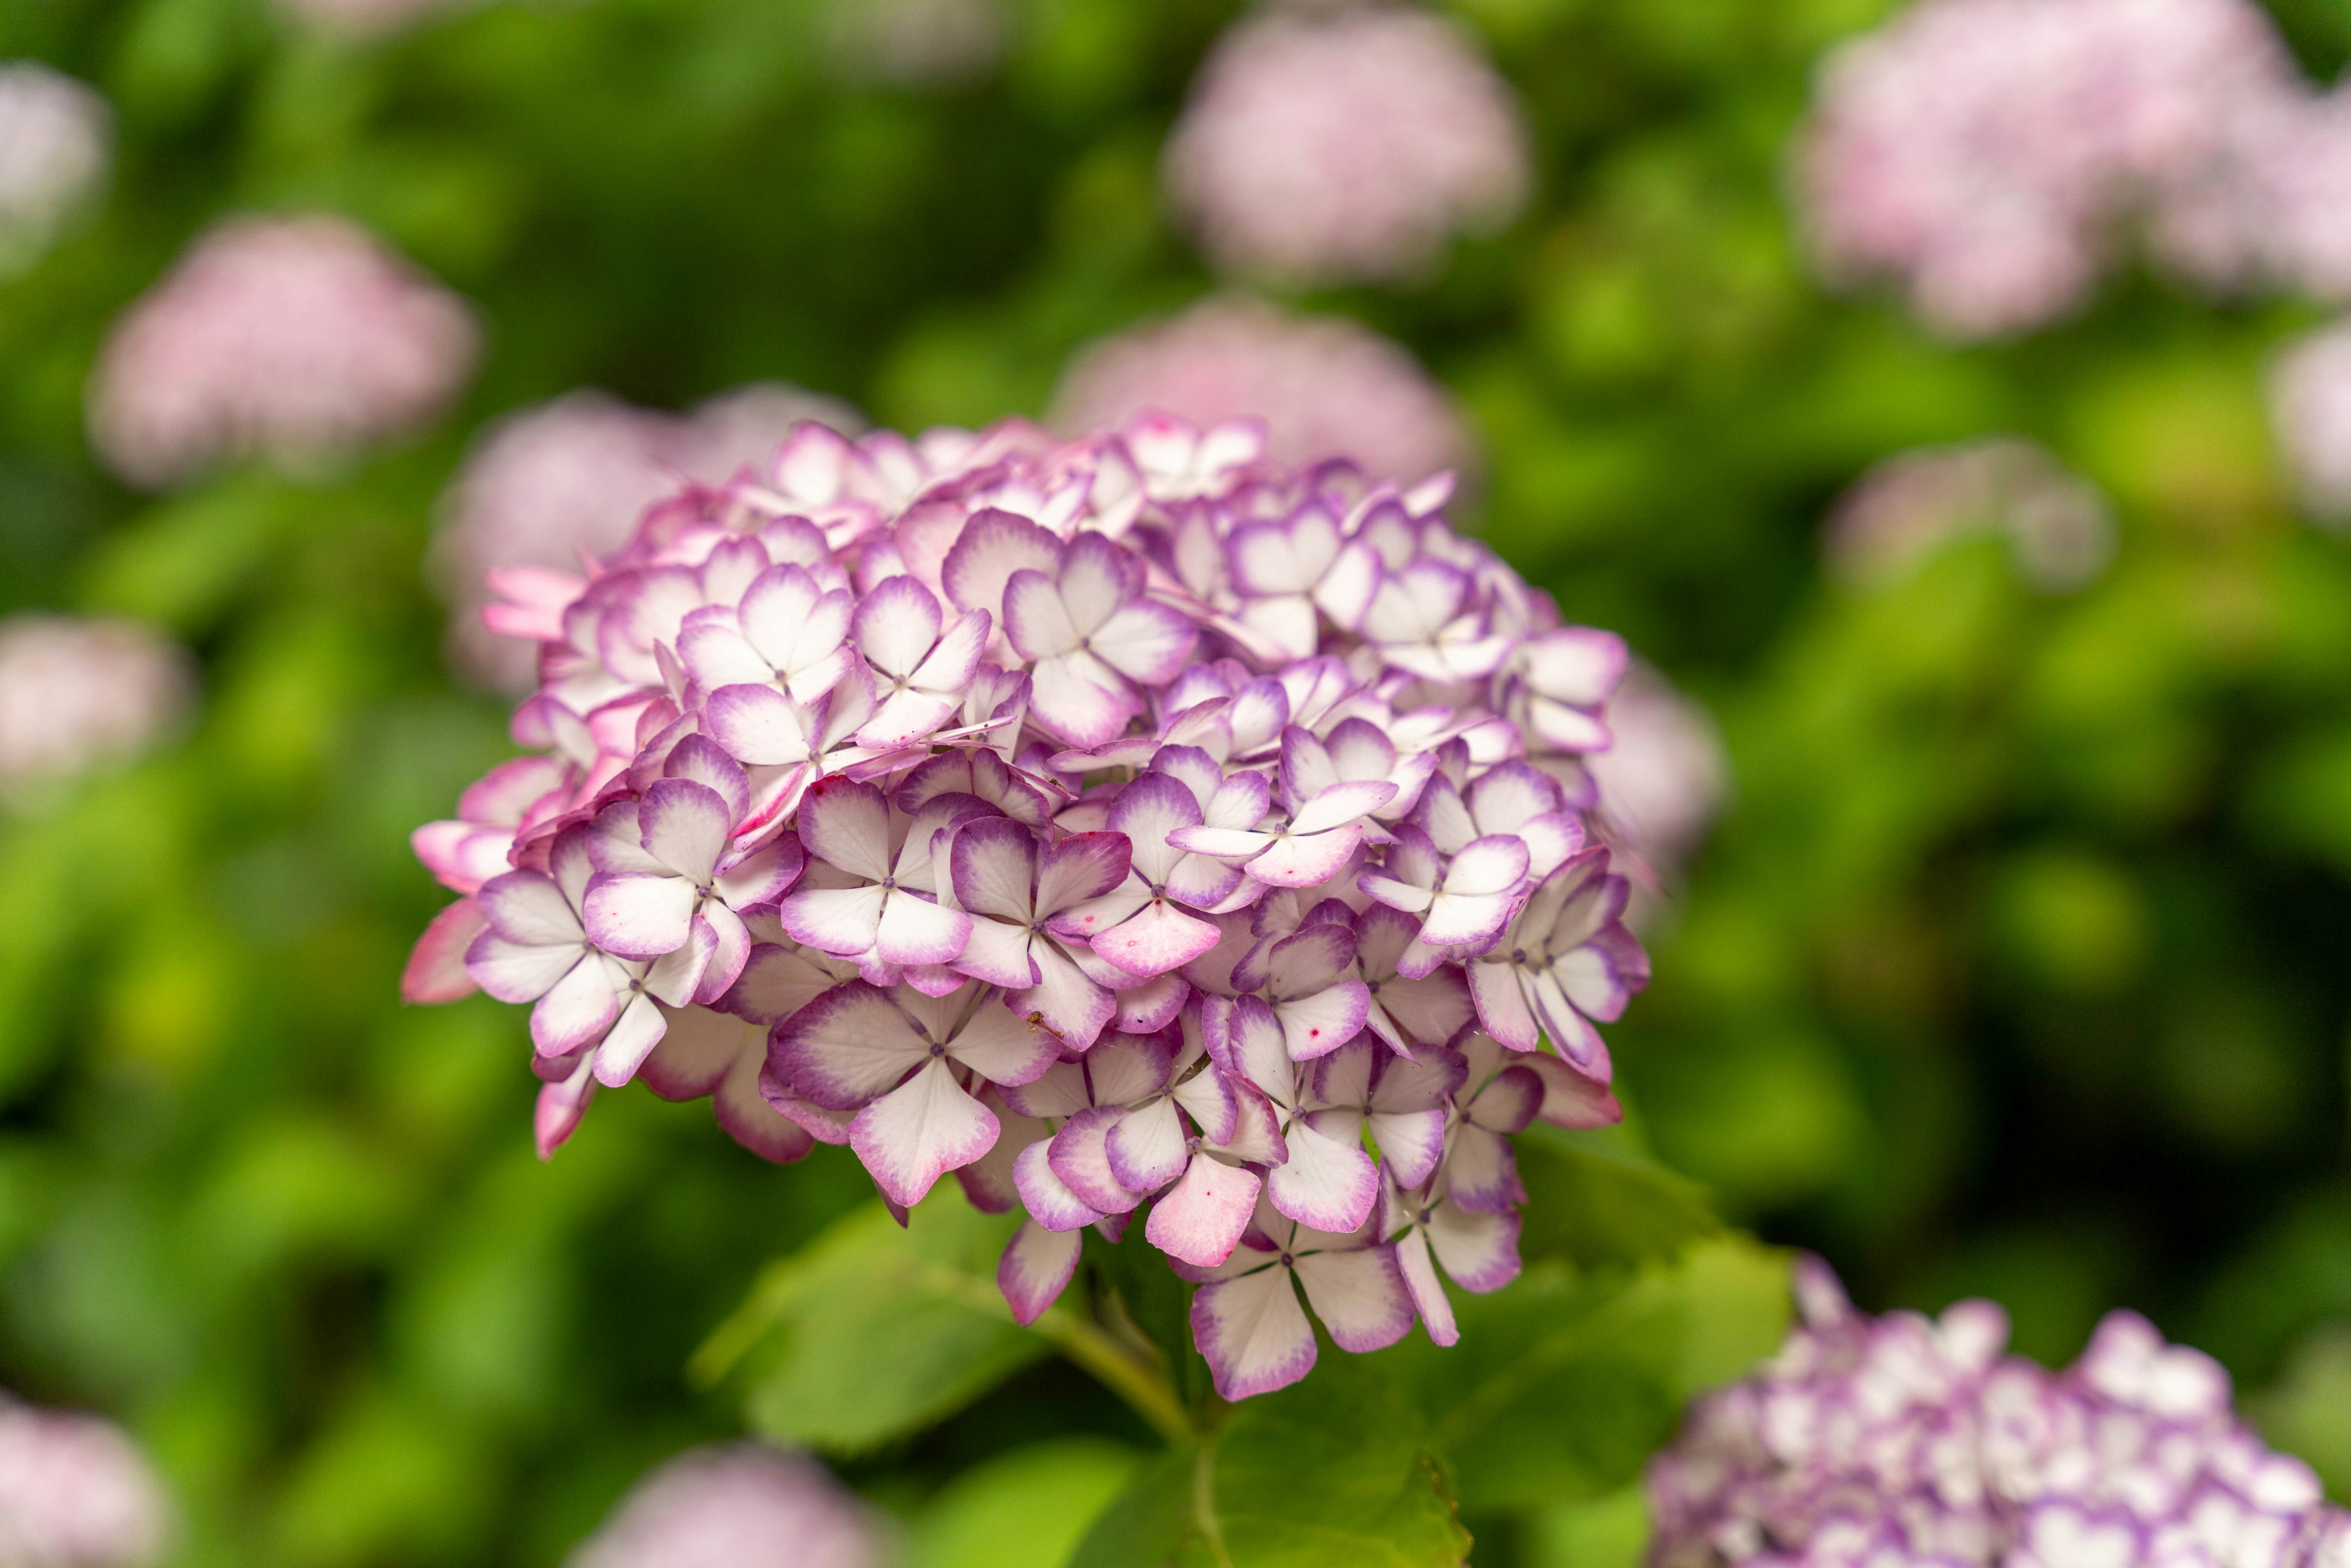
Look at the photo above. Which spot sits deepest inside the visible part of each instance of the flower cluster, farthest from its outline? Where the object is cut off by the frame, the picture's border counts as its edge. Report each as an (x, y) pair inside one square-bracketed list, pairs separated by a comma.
[(53, 151), (1904, 1440), (1347, 147), (741, 1506), (1986, 152), (2059, 526), (2310, 401), (1131, 825), (76, 1493), (297, 340), (75, 694), (1320, 383)]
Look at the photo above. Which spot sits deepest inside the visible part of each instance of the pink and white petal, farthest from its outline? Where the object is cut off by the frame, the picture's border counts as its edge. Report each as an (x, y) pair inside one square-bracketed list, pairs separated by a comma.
[(999, 1045), (1478, 1250), (526, 906), (1493, 864), (846, 1047), (1256, 1131), (920, 1131), (1199, 1220), (730, 951), (685, 826), (746, 1117), (436, 971), (1253, 1334), (1398, 895), (842, 921), (1061, 1091), (1508, 1101), (1065, 999), (1588, 976), (992, 868), (1081, 700), (1151, 1005), (1431, 1009), (1307, 862), (1159, 939), (1257, 1049), (1046, 1197), (513, 973), (1209, 1099), (1080, 1155), (1571, 1034), (1501, 1003), (847, 824), (1146, 1146), (640, 916), (1471, 921), (1411, 1143), (762, 876), (1126, 1068), (758, 725), (951, 664), (896, 624), (631, 1040), (997, 952), (1147, 812), (577, 1011), (829, 1127), (912, 930), (1037, 1266), (1036, 622), (1080, 867), (992, 547), (675, 978), (906, 718), (1571, 1099), (698, 1050), (1207, 885), (1145, 641), (1480, 1171), (1225, 843), (1324, 1184), (778, 981), (1359, 1293), (1426, 1290), (1341, 804), (560, 1106), (1316, 1024)]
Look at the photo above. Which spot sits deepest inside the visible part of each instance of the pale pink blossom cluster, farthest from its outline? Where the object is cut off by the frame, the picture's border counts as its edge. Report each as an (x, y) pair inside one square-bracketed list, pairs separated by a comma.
[(76, 694), (2060, 531), (53, 135), (1346, 147), (2310, 404), (1989, 155), (1320, 383), (1873, 1442), (1135, 826), (919, 43), (744, 1505), (298, 340), (570, 477), (75, 1492)]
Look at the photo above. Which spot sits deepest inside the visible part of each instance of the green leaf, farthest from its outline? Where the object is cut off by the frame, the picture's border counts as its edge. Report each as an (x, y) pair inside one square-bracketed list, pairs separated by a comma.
[(874, 1332), (1026, 1509), (1150, 1523), (1338, 1468), (1592, 1200)]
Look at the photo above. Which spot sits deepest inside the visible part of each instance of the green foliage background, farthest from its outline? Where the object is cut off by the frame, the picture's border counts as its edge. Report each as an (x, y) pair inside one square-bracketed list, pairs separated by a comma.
[(2017, 967)]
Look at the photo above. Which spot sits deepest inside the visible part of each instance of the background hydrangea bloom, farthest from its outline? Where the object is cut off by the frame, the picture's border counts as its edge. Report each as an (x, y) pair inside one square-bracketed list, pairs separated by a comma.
[(919, 42), (53, 152), (75, 1492), (2310, 400), (363, 16), (78, 692), (2059, 526), (1320, 383), (1347, 146), (545, 484), (1662, 777), (297, 339), (1053, 814), (741, 1506), (1905, 1438)]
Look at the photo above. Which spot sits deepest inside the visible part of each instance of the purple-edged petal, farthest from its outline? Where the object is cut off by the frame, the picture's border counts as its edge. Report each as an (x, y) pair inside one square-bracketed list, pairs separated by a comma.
[(630, 1041), (1480, 1171), (1161, 938), (436, 971), (838, 920), (1360, 1296), (744, 1113), (640, 916), (1316, 1024), (526, 906), (577, 1011), (1079, 1156), (685, 826), (992, 547), (846, 1047), (1037, 1266), (1341, 804), (1478, 1250), (1199, 1220), (1082, 867), (1080, 699), (847, 824), (697, 1053), (896, 624), (1046, 1197), (1252, 1332), (1064, 999), (1307, 862), (1501, 1003), (758, 725), (1324, 1184), (1146, 1146), (1571, 1099), (1426, 1290), (912, 931), (920, 1131), (1146, 640)]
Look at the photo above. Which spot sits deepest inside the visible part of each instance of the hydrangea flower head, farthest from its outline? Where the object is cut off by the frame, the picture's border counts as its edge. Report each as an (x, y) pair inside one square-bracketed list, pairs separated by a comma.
[(744, 1505), (297, 340), (1133, 826), (1908, 1439), (75, 1492), (1319, 383), (2060, 529), (1346, 147), (75, 694), (53, 153), (2310, 399)]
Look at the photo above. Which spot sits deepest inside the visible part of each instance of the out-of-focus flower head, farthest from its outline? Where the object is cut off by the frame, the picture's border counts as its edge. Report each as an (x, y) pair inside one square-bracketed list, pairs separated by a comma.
[(297, 339), (1988, 154), (919, 42), (1344, 147), (76, 694), (547, 486), (2310, 402), (1662, 778), (1135, 826), (1320, 383), (2058, 525), (361, 18), (1908, 1439), (53, 152), (744, 1505), (75, 1492)]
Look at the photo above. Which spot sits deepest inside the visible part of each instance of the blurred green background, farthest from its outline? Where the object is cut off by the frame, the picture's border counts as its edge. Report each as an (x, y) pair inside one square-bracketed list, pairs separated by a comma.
[(2017, 965)]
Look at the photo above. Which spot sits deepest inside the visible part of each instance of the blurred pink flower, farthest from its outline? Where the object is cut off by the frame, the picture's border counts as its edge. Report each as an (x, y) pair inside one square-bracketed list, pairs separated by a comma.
[(1663, 776), (75, 693), (297, 339), (547, 484), (2310, 401), (1320, 383), (1910, 506), (1346, 147), (1984, 152), (361, 15), (53, 151), (919, 42), (742, 1506), (76, 1493)]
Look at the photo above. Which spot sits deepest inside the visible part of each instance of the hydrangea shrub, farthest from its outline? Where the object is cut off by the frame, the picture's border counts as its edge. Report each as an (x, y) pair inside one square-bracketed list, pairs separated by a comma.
[(1139, 830)]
